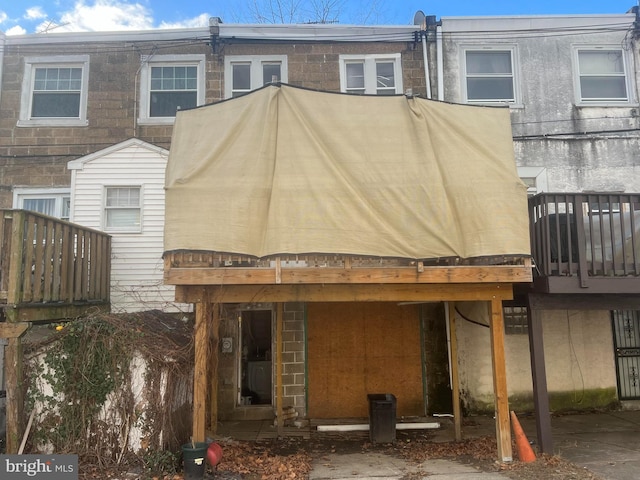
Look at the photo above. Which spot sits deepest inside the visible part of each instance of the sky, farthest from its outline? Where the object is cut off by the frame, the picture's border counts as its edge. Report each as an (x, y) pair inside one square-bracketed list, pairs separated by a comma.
[(18, 17)]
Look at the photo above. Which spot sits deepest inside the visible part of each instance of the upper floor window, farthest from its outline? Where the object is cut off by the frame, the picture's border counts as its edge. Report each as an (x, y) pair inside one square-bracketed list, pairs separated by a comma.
[(123, 209), (244, 73), (489, 75), (371, 74), (169, 83), (601, 75), (54, 202), (54, 91)]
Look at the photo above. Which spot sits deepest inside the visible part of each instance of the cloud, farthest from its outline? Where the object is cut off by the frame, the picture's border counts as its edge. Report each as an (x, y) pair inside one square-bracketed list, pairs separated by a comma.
[(3, 16), (201, 20), (16, 30), (103, 15), (35, 13)]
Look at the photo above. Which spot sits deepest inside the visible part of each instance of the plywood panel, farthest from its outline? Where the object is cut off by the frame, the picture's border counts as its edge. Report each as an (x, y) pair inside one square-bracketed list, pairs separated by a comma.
[(360, 348)]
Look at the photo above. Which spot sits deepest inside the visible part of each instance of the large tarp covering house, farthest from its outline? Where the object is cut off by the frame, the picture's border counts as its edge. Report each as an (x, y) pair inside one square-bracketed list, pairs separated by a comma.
[(285, 170)]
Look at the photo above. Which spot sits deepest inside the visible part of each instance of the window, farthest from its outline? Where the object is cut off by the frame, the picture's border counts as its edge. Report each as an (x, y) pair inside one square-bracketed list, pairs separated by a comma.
[(122, 209), (54, 91), (602, 75), (243, 74), (54, 202), (169, 83), (489, 75), (515, 320), (371, 74)]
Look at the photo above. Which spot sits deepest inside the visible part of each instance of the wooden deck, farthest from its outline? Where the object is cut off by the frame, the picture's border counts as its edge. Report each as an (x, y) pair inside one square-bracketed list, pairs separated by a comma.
[(51, 269)]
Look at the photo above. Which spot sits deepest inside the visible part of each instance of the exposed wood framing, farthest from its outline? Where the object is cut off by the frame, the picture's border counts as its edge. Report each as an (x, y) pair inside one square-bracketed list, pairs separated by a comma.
[(13, 382), (503, 425), (13, 330), (279, 384), (201, 353), (343, 293), (213, 373), (329, 275), (455, 382)]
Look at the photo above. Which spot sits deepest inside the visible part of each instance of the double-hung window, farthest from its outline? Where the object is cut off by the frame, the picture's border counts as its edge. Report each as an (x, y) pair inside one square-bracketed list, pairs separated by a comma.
[(169, 83), (371, 74), (54, 91), (55, 201), (123, 209), (489, 75), (602, 75), (244, 73)]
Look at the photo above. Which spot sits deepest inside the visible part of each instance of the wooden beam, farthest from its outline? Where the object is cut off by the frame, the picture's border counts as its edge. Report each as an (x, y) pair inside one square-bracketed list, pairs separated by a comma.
[(201, 353), (213, 374), (13, 382), (455, 382), (14, 289), (279, 385), (13, 330), (325, 275), (343, 293), (46, 312), (503, 425), (539, 376)]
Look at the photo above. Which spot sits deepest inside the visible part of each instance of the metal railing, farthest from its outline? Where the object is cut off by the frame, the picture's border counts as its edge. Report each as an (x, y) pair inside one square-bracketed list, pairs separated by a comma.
[(585, 235)]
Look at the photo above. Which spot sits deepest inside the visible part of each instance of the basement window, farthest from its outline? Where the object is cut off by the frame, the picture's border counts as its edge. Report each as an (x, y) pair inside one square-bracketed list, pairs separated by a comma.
[(515, 320)]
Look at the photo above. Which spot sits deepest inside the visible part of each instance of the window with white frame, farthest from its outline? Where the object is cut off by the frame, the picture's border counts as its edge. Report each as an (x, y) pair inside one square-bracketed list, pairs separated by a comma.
[(489, 75), (54, 91), (244, 73), (371, 74), (169, 83), (601, 75), (123, 209), (55, 202)]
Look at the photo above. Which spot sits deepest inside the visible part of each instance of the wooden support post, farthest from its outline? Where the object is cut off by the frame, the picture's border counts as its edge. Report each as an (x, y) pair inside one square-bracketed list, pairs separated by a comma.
[(13, 382), (503, 425), (213, 372), (539, 376), (279, 386), (201, 354), (455, 383)]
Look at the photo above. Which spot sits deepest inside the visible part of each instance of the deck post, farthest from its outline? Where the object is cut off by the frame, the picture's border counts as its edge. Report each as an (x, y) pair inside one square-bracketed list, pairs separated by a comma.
[(201, 354), (455, 385), (279, 386), (503, 424), (539, 377), (13, 383), (213, 374)]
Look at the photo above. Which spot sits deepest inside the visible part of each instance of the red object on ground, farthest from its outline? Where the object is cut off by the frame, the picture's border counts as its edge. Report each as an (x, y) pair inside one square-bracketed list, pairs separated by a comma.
[(525, 452), (214, 454)]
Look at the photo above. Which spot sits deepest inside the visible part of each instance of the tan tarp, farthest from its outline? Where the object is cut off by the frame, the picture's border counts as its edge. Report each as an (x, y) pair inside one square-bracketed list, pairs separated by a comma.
[(288, 170)]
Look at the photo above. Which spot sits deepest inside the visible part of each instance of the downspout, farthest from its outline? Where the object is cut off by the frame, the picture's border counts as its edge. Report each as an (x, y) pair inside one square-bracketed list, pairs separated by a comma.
[(425, 59), (3, 40), (440, 69)]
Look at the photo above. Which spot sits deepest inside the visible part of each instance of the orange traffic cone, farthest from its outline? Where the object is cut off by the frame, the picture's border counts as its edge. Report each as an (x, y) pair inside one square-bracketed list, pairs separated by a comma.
[(525, 452)]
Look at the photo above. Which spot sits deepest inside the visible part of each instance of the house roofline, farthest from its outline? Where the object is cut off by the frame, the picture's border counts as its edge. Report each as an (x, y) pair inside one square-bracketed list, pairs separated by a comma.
[(79, 163), (535, 22)]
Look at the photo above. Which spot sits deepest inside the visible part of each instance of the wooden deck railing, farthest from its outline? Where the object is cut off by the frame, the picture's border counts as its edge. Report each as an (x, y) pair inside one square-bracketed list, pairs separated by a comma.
[(51, 269), (586, 236)]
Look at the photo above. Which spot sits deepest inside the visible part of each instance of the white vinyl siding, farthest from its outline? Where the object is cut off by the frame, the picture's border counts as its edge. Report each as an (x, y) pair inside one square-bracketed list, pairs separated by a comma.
[(136, 258)]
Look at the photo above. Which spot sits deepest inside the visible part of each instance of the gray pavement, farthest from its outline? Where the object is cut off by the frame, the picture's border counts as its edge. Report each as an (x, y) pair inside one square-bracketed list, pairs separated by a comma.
[(606, 443)]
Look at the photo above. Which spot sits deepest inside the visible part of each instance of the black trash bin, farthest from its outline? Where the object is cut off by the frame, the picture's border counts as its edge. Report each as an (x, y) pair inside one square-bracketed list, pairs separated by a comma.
[(382, 417)]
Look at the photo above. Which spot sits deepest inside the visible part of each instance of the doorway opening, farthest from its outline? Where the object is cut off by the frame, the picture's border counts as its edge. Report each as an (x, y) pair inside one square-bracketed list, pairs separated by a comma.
[(255, 367)]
